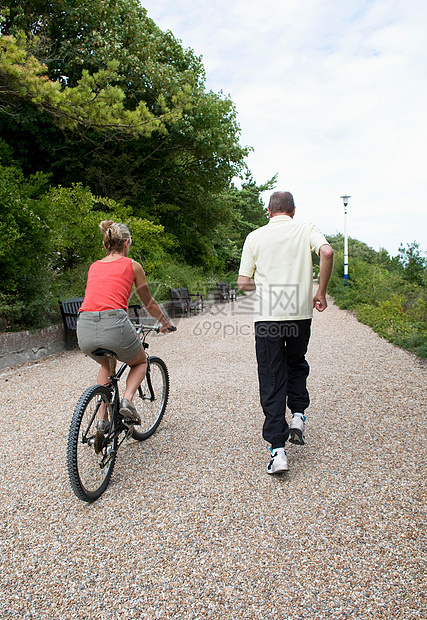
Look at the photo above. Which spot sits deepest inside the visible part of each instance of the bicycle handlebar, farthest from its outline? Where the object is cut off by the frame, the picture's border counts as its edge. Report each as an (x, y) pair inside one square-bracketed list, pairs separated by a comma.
[(153, 328)]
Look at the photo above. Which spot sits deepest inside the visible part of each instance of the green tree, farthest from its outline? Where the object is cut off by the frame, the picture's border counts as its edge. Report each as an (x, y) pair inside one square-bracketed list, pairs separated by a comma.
[(94, 102), (49, 237), (357, 250), (24, 248), (174, 167), (246, 213), (413, 265), (71, 37), (74, 217)]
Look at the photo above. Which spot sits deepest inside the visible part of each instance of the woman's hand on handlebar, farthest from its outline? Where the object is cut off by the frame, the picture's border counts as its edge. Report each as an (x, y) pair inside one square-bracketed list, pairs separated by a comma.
[(166, 327)]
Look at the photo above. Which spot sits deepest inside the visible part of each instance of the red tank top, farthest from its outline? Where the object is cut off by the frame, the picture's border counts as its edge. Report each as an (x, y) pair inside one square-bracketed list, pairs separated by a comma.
[(109, 285)]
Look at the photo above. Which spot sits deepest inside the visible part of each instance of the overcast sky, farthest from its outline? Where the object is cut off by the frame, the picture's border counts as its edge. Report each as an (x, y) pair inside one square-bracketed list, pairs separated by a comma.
[(331, 94)]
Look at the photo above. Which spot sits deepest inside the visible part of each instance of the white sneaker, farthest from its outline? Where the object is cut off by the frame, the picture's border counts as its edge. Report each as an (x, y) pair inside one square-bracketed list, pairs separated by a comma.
[(297, 428), (279, 461)]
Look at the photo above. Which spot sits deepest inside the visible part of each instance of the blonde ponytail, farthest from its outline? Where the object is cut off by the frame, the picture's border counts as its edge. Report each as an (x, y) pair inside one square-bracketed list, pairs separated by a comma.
[(114, 235)]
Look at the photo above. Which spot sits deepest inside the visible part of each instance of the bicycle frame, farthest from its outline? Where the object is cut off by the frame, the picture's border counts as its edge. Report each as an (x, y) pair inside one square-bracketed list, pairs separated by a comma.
[(143, 331), (116, 426)]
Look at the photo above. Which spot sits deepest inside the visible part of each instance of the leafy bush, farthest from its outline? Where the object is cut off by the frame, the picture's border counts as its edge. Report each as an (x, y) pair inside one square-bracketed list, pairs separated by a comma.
[(176, 274), (48, 239), (24, 248), (387, 318), (388, 294)]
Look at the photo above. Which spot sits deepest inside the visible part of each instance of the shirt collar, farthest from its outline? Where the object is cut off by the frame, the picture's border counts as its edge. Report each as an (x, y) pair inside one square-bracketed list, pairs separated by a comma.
[(279, 218)]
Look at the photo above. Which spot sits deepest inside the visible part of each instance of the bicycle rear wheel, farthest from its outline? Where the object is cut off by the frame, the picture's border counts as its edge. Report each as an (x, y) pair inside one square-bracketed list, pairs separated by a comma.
[(90, 452), (151, 398)]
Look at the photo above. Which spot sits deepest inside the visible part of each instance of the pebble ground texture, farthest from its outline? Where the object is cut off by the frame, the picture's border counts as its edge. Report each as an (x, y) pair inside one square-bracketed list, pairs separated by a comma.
[(191, 525)]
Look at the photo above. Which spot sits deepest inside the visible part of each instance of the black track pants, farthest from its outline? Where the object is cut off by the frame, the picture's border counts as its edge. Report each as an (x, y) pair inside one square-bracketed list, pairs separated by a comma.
[(282, 372)]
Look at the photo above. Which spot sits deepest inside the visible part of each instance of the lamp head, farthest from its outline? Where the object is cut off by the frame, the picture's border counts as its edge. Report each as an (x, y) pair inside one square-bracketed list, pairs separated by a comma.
[(345, 200)]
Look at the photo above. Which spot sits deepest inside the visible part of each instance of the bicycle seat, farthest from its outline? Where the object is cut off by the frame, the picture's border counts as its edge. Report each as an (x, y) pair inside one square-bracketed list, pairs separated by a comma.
[(102, 352)]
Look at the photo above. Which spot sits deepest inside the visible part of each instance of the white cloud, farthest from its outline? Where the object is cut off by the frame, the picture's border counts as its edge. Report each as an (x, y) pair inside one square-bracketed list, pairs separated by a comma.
[(331, 95)]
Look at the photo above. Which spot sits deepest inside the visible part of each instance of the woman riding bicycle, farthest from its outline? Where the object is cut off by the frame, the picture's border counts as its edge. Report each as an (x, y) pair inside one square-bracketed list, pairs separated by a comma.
[(103, 321)]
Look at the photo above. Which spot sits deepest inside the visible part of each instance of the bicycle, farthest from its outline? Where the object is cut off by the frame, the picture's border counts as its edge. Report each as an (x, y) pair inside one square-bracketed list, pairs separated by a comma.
[(93, 444)]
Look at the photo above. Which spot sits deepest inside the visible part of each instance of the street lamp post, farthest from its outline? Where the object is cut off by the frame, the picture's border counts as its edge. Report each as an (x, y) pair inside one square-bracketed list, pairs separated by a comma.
[(345, 201)]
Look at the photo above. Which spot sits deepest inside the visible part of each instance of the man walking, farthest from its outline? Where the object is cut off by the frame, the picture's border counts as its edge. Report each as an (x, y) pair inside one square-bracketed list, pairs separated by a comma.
[(278, 258)]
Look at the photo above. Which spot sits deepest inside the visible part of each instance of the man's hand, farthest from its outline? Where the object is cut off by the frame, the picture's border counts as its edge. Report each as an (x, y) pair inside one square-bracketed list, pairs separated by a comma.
[(326, 263), (245, 284), (319, 302)]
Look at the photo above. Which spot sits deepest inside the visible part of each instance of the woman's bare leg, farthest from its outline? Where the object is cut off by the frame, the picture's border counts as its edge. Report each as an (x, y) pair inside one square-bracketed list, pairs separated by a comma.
[(138, 369), (102, 379)]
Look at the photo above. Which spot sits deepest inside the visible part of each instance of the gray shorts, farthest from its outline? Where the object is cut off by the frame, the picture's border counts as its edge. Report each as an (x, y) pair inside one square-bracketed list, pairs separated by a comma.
[(109, 329)]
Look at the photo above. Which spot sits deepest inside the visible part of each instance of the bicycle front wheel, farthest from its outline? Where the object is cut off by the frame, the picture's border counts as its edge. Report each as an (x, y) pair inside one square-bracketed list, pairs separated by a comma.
[(90, 451), (151, 398)]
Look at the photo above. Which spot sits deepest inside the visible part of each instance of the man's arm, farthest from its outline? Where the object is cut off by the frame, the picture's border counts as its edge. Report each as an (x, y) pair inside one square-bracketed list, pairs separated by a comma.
[(326, 254), (245, 284), (247, 265)]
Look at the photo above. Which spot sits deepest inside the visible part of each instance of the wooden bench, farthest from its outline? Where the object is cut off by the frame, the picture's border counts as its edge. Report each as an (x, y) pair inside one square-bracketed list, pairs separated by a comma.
[(224, 292), (185, 302), (70, 311)]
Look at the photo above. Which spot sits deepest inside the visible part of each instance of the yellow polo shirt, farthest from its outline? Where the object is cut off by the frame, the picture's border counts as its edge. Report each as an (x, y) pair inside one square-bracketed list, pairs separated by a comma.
[(278, 257)]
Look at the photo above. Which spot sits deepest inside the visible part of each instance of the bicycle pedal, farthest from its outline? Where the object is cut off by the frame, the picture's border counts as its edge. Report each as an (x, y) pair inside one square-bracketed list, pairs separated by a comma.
[(131, 423)]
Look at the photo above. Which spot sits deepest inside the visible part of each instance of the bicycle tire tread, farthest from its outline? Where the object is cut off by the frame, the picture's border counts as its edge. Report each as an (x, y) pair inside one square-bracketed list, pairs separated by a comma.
[(73, 437)]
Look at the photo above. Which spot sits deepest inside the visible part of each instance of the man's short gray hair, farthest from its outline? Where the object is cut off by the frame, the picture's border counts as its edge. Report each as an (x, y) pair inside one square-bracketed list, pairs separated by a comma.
[(282, 202)]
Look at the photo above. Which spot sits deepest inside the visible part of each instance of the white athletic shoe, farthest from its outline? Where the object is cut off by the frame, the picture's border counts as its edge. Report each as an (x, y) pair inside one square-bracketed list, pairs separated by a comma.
[(297, 428), (279, 461)]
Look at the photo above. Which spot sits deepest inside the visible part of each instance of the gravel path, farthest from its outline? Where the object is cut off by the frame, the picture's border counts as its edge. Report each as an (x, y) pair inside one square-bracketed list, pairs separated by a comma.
[(191, 525)]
